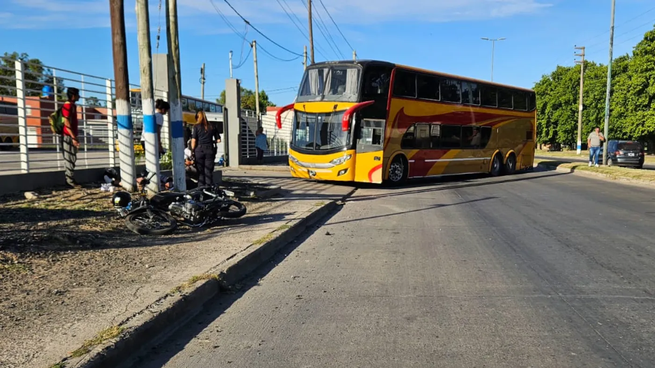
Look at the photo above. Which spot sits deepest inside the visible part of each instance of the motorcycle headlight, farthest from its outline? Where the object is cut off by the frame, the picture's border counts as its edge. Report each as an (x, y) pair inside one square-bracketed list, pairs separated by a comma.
[(340, 160)]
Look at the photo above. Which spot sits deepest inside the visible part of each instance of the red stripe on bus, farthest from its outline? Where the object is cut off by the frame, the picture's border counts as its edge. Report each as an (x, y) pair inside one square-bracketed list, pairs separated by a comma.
[(373, 170)]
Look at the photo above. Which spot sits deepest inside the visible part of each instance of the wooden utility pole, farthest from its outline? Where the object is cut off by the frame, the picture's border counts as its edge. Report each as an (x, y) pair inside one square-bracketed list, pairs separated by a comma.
[(304, 58), (174, 94), (311, 32), (202, 82), (581, 104), (609, 84), (124, 115), (149, 131), (254, 56)]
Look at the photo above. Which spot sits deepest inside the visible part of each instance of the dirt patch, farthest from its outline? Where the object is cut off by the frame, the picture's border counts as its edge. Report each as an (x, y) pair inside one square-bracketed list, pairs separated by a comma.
[(66, 257)]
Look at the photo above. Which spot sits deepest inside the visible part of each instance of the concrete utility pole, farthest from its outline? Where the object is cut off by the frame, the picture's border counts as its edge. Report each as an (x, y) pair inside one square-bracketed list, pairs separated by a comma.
[(147, 101), (581, 104), (175, 93), (493, 52), (202, 82), (254, 56), (609, 84), (354, 55), (230, 64), (124, 115), (311, 32), (304, 59)]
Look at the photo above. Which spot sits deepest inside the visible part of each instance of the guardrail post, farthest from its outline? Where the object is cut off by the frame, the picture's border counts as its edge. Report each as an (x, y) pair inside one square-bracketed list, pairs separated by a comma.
[(55, 136), (84, 125), (110, 125), (22, 119)]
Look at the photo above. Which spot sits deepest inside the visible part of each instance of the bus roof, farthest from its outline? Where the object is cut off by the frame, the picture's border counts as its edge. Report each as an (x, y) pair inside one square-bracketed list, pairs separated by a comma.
[(380, 62)]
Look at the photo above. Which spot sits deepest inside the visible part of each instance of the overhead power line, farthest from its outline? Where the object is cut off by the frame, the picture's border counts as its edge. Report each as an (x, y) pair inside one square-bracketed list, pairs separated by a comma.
[(620, 25), (244, 60), (243, 36), (275, 57), (301, 28), (260, 32), (336, 25)]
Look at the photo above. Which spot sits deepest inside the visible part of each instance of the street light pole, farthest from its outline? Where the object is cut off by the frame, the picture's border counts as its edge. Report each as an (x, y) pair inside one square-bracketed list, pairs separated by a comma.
[(609, 84), (493, 51)]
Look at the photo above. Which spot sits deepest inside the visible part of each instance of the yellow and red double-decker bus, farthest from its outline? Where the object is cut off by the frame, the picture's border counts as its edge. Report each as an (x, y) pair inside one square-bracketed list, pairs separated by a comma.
[(374, 121)]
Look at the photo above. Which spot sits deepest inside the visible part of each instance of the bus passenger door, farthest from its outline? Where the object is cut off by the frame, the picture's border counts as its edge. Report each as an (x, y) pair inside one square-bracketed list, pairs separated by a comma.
[(368, 161)]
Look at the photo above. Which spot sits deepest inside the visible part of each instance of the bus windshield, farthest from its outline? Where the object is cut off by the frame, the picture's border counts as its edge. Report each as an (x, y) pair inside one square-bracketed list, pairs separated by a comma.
[(330, 83), (319, 132)]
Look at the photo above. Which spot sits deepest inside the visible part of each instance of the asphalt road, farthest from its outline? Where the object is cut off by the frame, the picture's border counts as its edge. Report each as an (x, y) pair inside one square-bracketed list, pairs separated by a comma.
[(574, 159), (534, 270)]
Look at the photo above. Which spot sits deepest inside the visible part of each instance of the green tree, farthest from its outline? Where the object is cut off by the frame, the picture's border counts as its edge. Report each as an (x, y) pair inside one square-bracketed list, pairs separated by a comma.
[(640, 99), (248, 99), (632, 108), (35, 74), (93, 101)]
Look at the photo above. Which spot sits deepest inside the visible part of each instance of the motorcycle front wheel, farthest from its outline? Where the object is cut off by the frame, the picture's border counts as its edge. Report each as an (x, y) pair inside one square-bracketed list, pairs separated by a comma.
[(150, 222)]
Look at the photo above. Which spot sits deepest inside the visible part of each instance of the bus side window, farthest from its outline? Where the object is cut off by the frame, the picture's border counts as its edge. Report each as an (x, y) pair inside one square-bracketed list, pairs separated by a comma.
[(422, 136), (408, 140), (451, 136), (376, 81), (404, 84), (371, 132), (485, 136), (435, 135)]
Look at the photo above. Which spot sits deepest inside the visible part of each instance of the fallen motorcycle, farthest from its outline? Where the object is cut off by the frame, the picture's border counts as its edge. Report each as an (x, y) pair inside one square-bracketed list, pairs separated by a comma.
[(201, 206)]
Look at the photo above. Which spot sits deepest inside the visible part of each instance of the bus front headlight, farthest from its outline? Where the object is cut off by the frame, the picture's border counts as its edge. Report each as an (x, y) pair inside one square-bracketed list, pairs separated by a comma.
[(341, 160)]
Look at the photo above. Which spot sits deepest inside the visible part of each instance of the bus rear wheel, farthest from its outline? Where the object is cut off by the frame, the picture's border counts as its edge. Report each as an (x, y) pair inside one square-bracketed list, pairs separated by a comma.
[(398, 171), (496, 166), (510, 165)]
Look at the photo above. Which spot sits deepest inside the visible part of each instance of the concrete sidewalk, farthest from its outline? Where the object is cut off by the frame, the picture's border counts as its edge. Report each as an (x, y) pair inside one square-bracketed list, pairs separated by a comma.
[(101, 289)]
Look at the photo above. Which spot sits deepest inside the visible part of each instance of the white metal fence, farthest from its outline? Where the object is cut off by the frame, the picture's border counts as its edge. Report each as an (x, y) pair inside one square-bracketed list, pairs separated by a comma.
[(276, 145), (29, 93)]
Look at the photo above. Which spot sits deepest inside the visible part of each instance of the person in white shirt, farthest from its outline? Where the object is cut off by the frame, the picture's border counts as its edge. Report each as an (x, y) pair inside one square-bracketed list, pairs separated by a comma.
[(161, 108)]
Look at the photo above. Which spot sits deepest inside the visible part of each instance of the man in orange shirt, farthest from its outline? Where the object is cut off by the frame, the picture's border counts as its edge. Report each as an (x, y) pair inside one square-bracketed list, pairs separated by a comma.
[(70, 144)]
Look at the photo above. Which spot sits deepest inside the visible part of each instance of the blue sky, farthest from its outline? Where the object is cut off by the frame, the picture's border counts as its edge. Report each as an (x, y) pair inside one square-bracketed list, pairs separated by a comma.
[(441, 35)]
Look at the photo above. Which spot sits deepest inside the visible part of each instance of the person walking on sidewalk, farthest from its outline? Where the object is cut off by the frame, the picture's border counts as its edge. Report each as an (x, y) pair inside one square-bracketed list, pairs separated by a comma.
[(593, 142), (69, 142), (261, 144), (204, 139)]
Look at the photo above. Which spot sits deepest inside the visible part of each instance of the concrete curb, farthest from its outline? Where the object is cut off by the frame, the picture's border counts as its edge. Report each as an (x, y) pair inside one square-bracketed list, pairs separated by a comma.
[(599, 176), (161, 318)]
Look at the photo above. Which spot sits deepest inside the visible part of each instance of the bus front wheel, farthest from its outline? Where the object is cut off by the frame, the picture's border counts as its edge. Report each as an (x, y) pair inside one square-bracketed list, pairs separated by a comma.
[(496, 166), (398, 170)]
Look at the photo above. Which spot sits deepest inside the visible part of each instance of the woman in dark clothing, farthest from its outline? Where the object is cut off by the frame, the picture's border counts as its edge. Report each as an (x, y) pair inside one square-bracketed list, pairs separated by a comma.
[(204, 137)]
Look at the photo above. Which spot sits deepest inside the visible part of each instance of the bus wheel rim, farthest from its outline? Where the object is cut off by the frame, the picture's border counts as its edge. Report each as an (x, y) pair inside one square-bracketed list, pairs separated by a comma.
[(396, 171)]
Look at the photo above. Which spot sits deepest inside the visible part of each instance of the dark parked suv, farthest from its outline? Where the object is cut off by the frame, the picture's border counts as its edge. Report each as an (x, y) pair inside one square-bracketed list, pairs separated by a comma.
[(625, 153)]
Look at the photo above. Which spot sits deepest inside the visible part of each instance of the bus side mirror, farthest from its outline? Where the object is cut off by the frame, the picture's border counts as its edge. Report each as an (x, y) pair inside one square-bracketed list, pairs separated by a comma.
[(278, 116), (347, 116)]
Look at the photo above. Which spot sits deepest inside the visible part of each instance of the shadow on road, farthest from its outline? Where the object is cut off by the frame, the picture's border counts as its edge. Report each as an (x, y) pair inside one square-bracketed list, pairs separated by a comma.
[(436, 206), (454, 182)]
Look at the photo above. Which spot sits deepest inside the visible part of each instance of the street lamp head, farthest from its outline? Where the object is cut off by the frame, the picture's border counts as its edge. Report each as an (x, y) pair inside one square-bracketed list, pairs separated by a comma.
[(485, 38), (502, 39)]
